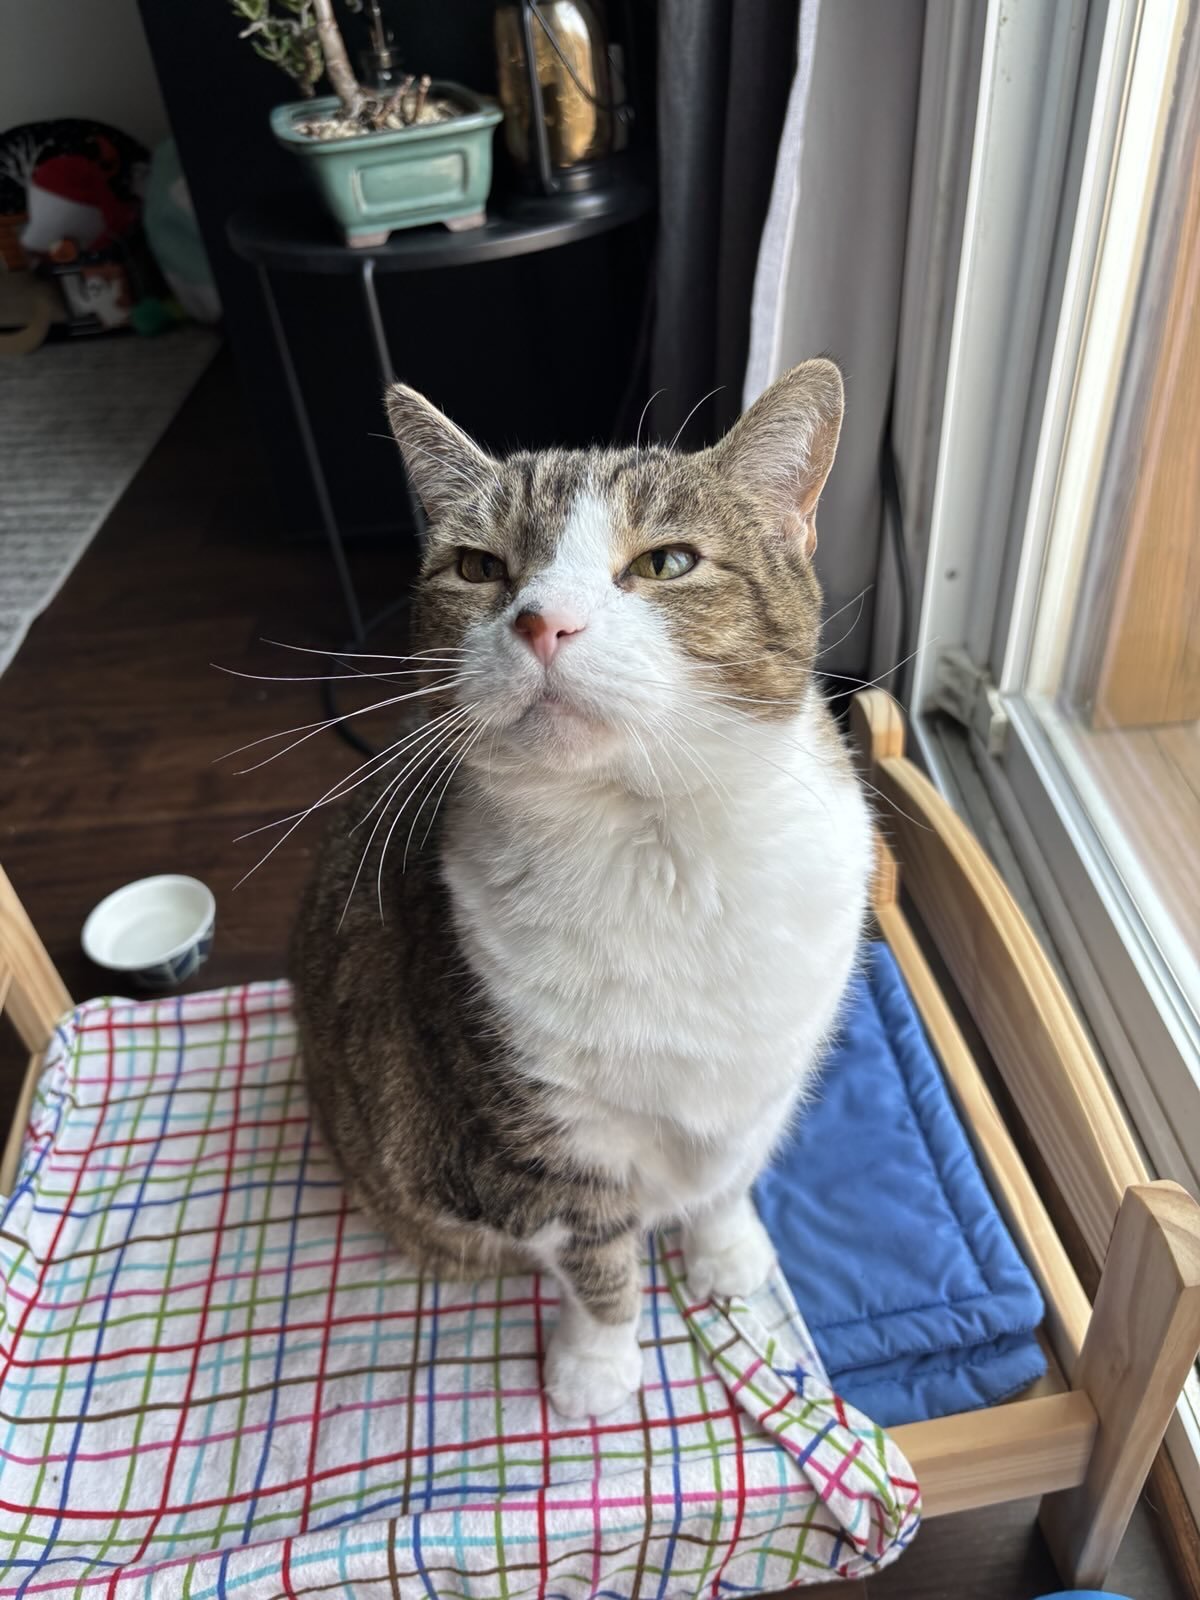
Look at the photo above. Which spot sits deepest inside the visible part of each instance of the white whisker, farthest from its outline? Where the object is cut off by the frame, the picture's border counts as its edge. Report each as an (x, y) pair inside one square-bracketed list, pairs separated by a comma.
[(637, 443), (382, 677), (861, 597), (428, 751), (446, 656), (703, 766), (445, 725), (496, 731), (747, 661), (774, 655), (392, 753), (313, 728), (636, 737), (876, 683), (430, 771), (319, 677), (284, 837), (472, 741), (481, 485), (810, 756), (714, 695), (899, 810), (834, 615), (750, 750), (687, 789), (692, 413)]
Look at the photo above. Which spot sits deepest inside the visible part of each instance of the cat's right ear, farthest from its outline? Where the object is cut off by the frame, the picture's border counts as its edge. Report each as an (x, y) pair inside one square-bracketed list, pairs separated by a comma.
[(443, 464), (781, 450)]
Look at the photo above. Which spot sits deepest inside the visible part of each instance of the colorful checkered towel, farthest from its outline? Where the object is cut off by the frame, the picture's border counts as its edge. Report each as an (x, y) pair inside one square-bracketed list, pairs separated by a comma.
[(217, 1379)]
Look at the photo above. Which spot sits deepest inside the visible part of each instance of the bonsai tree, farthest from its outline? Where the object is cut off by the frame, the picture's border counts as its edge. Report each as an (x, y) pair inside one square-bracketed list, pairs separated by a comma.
[(304, 39)]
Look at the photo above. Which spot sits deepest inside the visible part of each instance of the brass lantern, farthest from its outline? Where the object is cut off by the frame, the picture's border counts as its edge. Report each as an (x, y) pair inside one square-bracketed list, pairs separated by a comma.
[(561, 121)]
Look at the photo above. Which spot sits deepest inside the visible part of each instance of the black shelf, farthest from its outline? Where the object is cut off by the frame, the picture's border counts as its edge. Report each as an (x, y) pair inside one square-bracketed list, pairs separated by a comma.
[(291, 233)]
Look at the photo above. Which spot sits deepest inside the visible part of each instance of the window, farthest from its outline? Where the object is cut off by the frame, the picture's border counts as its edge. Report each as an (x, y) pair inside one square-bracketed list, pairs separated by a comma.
[(1060, 617)]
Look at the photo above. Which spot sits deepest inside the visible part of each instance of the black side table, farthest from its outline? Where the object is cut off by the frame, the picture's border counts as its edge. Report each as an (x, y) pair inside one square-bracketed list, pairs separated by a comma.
[(290, 234)]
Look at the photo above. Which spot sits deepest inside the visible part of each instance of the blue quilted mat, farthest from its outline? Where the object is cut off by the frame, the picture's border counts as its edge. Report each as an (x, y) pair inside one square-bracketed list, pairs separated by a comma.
[(915, 1294)]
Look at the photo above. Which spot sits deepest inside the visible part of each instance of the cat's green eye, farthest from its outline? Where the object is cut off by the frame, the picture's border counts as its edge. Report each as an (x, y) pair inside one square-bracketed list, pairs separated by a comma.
[(669, 561), (480, 566)]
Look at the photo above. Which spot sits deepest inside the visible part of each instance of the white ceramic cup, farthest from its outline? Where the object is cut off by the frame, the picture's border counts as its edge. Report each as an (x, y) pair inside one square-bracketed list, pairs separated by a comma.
[(155, 932)]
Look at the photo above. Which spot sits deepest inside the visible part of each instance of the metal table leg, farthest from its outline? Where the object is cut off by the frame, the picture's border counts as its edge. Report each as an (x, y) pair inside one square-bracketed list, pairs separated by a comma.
[(332, 532), (387, 373)]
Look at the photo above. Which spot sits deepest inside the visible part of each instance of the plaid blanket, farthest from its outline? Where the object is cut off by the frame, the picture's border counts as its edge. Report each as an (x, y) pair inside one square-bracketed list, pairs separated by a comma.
[(216, 1379)]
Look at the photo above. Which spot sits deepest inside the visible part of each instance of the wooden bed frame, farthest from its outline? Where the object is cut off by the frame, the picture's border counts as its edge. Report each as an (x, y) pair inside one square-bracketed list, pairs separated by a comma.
[(1085, 1437)]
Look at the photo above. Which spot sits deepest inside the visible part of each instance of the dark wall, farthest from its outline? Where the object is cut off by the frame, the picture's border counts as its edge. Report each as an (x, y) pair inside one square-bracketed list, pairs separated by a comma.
[(536, 350)]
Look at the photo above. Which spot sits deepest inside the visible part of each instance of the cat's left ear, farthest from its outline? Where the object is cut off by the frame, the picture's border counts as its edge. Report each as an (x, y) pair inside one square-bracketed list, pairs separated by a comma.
[(780, 452), (444, 464)]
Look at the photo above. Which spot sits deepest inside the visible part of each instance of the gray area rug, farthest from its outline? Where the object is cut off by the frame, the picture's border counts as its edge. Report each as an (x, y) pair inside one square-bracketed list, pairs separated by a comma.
[(76, 422)]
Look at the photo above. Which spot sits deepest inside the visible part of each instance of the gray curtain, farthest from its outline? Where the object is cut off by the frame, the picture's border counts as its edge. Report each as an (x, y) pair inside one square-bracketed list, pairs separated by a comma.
[(725, 69), (831, 265)]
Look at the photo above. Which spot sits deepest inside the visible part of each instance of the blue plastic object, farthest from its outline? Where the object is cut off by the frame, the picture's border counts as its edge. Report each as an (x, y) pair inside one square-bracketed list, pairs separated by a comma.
[(916, 1296), (174, 237)]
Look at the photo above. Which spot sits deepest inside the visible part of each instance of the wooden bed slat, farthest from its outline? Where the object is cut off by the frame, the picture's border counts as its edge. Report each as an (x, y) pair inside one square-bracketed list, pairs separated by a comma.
[(35, 997), (1010, 988), (979, 1458)]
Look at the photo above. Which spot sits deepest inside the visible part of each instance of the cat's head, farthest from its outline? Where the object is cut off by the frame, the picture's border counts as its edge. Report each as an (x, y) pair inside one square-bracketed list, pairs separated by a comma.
[(594, 607)]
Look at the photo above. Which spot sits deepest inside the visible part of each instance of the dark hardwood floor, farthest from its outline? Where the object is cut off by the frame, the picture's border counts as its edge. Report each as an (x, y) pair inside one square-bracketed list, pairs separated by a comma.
[(111, 719)]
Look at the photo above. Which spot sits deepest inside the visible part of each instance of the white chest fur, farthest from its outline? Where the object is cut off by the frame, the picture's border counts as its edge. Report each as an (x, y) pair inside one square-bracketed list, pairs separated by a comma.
[(670, 972)]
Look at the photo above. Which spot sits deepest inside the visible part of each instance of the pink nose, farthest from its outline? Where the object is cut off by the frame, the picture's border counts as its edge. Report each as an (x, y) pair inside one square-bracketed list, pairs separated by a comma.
[(544, 631)]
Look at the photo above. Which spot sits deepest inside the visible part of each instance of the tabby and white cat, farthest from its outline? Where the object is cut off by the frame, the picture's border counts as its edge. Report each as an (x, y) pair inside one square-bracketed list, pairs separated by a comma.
[(596, 995)]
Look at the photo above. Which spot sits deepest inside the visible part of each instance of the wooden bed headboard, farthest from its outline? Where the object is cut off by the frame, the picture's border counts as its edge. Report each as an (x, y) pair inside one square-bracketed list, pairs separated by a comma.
[(32, 995)]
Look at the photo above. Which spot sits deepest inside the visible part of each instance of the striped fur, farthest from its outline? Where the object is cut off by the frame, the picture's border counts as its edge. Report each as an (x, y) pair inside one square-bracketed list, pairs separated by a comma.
[(597, 994)]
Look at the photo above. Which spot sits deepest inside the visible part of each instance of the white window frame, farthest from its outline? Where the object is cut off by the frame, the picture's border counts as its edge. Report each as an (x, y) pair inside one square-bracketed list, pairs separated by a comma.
[(1069, 126)]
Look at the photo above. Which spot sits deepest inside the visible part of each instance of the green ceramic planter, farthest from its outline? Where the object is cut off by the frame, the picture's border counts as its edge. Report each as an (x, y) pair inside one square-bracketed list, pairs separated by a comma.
[(399, 177)]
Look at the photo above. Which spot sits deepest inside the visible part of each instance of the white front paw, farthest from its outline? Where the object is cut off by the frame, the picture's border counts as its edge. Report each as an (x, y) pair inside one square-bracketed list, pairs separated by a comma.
[(725, 1267), (589, 1383)]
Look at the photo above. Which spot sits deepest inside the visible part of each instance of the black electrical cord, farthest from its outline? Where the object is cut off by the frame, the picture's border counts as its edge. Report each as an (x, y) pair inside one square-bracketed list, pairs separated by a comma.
[(342, 728), (613, 107), (329, 702), (893, 521)]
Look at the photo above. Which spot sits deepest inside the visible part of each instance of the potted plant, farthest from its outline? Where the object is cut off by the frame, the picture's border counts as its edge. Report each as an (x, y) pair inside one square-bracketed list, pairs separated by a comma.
[(395, 153)]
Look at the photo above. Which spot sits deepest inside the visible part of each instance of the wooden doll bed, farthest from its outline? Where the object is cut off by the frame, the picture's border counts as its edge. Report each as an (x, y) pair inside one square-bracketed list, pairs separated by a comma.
[(1085, 1437)]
